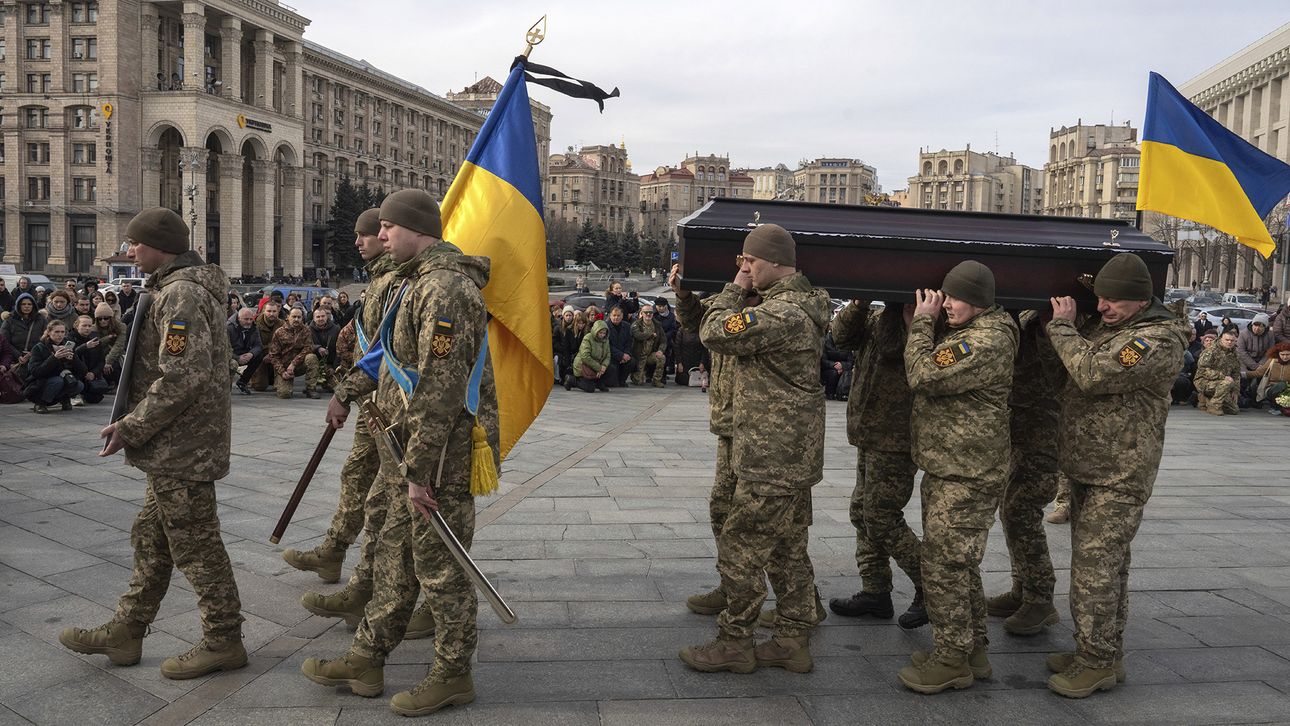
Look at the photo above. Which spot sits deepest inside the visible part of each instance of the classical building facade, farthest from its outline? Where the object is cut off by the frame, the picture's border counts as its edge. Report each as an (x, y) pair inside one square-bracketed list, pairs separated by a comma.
[(969, 181), (771, 182), (669, 194), (480, 96), (594, 183), (1248, 93), (834, 181), (218, 109), (1092, 171)]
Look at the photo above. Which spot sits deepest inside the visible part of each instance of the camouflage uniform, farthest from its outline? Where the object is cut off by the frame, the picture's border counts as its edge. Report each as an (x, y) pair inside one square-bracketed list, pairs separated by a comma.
[(689, 315), (774, 353), (178, 431), (960, 439), (1216, 365), (290, 347), (878, 412), (1112, 436), (439, 327), (1037, 382), (649, 338), (359, 471), (263, 376)]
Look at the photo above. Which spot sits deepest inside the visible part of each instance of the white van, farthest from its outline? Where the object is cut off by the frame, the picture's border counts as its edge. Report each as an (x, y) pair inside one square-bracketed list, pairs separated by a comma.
[(1242, 300)]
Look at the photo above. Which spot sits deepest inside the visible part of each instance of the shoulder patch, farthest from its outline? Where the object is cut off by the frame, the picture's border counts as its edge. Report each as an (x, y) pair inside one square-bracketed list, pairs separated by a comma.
[(441, 341), (1133, 351), (946, 357), (739, 322), (177, 337)]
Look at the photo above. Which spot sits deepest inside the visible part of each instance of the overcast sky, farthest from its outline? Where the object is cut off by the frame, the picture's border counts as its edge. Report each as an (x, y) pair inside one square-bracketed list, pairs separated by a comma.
[(772, 82)]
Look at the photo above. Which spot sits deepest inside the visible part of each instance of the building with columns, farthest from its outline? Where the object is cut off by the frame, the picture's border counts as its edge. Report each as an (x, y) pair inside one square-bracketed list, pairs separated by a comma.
[(1092, 171), (594, 183), (218, 109), (834, 181), (1249, 93), (970, 181), (669, 194)]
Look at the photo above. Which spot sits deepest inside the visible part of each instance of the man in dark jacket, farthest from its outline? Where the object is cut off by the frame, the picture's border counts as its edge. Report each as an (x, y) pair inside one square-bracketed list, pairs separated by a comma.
[(126, 297), (664, 317), (248, 350), (833, 365), (6, 298), (621, 362)]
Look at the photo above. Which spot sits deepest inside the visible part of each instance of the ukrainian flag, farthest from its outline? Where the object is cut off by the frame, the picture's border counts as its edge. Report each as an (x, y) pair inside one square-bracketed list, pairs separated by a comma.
[(494, 209), (1194, 168)]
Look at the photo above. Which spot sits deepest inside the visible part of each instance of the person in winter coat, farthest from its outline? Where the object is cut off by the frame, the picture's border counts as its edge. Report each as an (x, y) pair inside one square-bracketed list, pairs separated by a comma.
[(664, 316), (6, 298), (649, 348), (833, 365), (92, 353), (615, 296), (1281, 325), (1218, 376), (248, 350), (622, 364), (23, 329), (322, 354), (54, 373), (567, 339), (59, 307), (287, 354), (1252, 345), (592, 370), (267, 322), (113, 336), (1273, 376)]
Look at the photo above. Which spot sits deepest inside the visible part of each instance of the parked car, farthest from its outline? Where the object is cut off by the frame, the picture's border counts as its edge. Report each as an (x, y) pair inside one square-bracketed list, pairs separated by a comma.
[(1240, 316), (1176, 293), (1205, 298), (1243, 300), (115, 284)]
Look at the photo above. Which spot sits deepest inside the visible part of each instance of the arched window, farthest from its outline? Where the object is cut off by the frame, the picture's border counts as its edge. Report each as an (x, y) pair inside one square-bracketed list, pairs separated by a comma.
[(958, 166), (1052, 155), (1063, 152), (927, 168), (942, 168), (1072, 145)]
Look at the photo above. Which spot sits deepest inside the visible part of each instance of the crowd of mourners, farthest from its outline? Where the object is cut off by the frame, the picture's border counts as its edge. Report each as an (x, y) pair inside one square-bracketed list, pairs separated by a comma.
[(64, 348)]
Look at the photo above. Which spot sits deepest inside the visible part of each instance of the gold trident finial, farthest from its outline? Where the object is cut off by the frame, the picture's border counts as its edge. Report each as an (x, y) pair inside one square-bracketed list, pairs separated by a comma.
[(535, 35)]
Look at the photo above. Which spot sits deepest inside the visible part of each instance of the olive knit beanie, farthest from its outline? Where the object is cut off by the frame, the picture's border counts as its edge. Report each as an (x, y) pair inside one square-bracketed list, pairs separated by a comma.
[(368, 223), (1124, 277), (971, 282), (160, 229), (772, 243), (414, 209)]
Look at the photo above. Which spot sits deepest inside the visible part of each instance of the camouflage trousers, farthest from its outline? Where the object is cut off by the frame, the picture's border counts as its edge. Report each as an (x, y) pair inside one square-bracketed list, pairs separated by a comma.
[(956, 519), (1063, 498), (766, 531), (644, 360), (1220, 397), (723, 487), (1103, 524), (178, 527), (356, 478), (409, 558), (319, 372), (284, 385), (884, 484), (1021, 512)]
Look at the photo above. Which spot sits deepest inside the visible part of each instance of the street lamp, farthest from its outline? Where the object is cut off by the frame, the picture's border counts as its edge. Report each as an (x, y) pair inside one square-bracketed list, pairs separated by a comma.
[(194, 160)]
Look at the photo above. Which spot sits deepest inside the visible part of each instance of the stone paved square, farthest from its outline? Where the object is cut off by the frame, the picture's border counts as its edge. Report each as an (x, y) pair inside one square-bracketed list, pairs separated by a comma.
[(599, 533)]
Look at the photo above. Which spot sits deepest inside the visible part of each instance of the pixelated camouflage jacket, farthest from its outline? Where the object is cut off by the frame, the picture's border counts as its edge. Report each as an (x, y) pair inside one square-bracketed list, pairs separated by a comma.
[(775, 375), (356, 384), (290, 345), (961, 385), (879, 405), (1117, 398), (648, 337), (721, 411), (1038, 379), (438, 331), (180, 418), (1216, 364)]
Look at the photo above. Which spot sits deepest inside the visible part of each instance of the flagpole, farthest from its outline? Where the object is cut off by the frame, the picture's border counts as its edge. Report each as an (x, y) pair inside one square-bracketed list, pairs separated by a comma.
[(536, 34)]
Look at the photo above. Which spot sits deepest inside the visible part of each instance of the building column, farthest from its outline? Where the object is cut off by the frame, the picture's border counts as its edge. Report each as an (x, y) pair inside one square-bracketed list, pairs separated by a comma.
[(195, 177), (1242, 269), (293, 241), (230, 217), (262, 172), (62, 50), (194, 46), (60, 244), (292, 96), (231, 58), (148, 74), (11, 202), (150, 189), (263, 69)]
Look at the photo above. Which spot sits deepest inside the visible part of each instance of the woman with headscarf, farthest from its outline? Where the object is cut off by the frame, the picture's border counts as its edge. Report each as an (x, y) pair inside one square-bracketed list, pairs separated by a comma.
[(23, 329)]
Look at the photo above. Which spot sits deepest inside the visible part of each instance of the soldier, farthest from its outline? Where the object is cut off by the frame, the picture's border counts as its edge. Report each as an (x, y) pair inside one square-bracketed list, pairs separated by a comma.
[(1036, 380), (650, 347), (1218, 376), (878, 411), (774, 354), (178, 432), (1112, 435), (960, 440), (362, 505), (287, 354), (432, 345)]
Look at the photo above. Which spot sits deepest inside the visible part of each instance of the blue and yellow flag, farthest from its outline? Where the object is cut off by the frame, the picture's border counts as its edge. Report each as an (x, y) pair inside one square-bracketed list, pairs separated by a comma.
[(494, 209), (1194, 168)]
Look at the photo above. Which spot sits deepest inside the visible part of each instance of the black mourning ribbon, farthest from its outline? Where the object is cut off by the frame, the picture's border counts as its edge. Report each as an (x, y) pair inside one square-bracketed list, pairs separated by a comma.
[(562, 83)]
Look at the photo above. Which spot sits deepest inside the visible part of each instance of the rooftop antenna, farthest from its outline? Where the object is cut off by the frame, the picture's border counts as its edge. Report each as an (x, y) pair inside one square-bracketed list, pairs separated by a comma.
[(1112, 117), (996, 143)]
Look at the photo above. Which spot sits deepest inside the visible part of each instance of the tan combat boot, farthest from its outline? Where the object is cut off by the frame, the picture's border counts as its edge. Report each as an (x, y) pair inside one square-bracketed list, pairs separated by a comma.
[(1031, 619), (934, 676), (709, 603), (1080, 681), (767, 617), (421, 625), (1062, 662), (791, 654), (1060, 515), (349, 604), (204, 658), (735, 656), (1004, 604), (114, 639), (978, 662), (430, 696), (354, 672), (324, 560)]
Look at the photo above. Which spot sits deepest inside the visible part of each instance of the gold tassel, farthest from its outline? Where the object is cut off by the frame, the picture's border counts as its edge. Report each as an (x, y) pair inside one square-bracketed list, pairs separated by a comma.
[(483, 472)]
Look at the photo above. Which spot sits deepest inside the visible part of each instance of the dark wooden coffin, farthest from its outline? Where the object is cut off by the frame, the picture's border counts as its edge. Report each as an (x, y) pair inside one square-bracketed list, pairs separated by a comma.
[(885, 253)]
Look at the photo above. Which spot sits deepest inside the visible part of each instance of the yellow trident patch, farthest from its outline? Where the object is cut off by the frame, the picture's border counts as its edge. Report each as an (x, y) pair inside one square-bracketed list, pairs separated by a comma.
[(739, 322), (177, 337), (441, 341), (1131, 354)]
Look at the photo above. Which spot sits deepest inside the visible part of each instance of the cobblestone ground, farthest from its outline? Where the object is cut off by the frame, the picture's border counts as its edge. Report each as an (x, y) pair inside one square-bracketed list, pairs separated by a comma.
[(598, 535)]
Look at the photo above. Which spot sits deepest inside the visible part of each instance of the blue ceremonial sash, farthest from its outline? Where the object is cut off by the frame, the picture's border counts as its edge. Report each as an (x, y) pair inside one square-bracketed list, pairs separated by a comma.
[(477, 376), (405, 376)]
